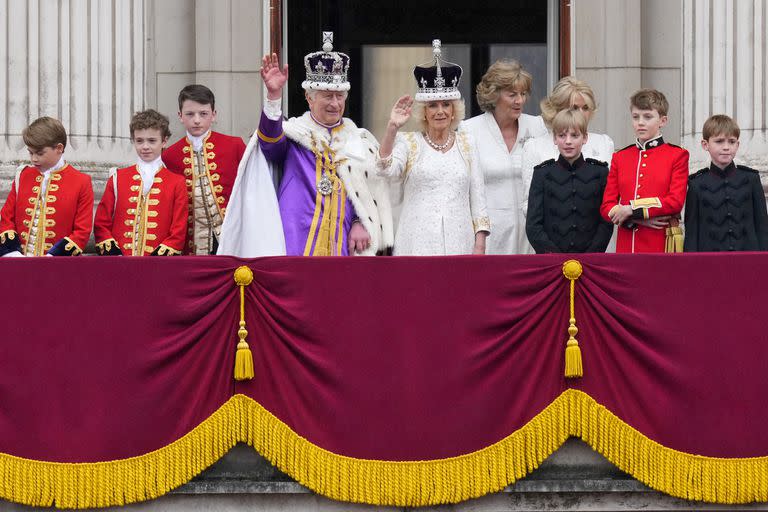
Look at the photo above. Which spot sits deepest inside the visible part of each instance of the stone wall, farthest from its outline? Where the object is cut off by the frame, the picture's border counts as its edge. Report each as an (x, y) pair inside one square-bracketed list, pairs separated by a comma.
[(707, 56)]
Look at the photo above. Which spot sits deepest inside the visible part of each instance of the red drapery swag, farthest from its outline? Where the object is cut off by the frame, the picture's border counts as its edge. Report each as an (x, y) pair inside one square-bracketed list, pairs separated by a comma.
[(397, 381)]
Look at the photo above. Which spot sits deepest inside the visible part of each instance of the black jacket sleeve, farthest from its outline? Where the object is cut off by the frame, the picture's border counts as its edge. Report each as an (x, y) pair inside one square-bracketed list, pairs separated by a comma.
[(605, 228), (534, 223), (692, 219), (760, 212)]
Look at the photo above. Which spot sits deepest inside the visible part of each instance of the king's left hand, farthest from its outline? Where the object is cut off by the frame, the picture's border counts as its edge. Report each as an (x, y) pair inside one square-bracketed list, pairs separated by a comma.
[(359, 240)]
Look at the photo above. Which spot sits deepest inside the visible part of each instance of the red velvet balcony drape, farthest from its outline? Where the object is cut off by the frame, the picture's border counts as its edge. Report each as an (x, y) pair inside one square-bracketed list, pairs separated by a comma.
[(382, 359)]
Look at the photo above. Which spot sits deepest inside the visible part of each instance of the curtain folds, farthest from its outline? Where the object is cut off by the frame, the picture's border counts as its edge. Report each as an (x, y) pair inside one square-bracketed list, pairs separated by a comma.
[(390, 381)]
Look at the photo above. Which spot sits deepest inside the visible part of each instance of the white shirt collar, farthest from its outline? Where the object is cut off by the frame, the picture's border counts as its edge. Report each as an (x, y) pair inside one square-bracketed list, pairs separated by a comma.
[(147, 170), (47, 173), (197, 142)]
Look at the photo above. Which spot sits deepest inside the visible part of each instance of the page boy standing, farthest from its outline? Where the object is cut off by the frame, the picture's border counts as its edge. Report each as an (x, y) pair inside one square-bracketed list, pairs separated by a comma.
[(564, 200), (144, 207), (647, 180), (725, 209), (208, 161), (49, 211)]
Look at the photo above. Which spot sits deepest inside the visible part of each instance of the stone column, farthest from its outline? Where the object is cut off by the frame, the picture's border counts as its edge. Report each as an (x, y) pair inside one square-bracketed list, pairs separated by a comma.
[(81, 61), (606, 42), (215, 43), (725, 61)]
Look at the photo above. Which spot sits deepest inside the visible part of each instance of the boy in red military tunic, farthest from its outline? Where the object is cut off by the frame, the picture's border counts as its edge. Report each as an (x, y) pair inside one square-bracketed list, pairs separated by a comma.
[(647, 180), (208, 162), (144, 207), (49, 210)]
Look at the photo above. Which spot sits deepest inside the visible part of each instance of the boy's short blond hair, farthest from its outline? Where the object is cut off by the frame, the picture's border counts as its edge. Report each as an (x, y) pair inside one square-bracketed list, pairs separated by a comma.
[(720, 124), (149, 119), (569, 119), (45, 132), (650, 99)]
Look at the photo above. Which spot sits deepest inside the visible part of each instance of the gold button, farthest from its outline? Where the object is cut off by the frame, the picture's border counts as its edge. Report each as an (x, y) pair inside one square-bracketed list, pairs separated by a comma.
[(644, 165)]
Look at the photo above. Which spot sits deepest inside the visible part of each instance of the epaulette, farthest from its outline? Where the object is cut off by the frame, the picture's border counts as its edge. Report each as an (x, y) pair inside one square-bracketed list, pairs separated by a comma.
[(673, 145), (545, 163), (633, 145), (748, 169), (698, 173), (595, 161)]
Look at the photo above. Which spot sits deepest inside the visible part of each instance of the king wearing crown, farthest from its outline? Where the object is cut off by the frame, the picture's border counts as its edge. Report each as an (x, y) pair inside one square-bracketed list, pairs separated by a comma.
[(331, 201)]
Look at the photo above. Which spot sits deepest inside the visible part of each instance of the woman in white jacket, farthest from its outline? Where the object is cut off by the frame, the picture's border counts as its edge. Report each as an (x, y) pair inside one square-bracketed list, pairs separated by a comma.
[(500, 134), (568, 93)]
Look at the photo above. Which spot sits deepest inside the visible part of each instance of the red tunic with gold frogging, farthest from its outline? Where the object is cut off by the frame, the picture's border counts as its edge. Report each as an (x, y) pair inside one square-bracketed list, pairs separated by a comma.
[(65, 212), (220, 157), (653, 179), (140, 224)]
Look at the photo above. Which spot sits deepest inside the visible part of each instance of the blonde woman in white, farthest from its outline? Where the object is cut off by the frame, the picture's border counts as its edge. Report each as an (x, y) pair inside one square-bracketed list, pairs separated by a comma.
[(443, 209), (568, 93), (501, 133)]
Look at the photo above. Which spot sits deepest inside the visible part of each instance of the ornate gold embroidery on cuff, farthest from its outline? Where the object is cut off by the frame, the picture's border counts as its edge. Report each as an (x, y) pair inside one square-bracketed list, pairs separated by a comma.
[(645, 202), (164, 250), (7, 235), (106, 245), (482, 224), (72, 246)]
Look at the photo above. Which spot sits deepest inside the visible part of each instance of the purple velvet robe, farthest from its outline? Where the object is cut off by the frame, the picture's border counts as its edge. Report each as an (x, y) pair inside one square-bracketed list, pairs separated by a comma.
[(297, 195)]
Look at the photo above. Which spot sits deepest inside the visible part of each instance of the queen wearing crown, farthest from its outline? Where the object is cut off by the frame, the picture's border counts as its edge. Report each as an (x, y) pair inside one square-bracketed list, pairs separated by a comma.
[(443, 191), (331, 202)]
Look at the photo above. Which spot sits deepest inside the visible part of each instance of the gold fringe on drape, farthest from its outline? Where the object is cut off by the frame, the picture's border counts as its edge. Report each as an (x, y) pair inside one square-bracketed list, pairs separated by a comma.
[(377, 482)]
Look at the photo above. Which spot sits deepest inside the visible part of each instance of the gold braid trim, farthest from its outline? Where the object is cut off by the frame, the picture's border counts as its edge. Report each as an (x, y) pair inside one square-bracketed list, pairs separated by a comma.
[(377, 482), (119, 482), (72, 246), (165, 250), (7, 235)]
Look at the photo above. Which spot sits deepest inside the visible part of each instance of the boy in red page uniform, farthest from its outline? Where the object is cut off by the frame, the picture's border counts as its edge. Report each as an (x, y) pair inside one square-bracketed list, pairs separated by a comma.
[(647, 180), (208, 162), (144, 207), (50, 207)]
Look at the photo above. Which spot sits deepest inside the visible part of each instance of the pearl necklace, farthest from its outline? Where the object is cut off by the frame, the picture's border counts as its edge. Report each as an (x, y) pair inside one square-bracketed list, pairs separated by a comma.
[(439, 147)]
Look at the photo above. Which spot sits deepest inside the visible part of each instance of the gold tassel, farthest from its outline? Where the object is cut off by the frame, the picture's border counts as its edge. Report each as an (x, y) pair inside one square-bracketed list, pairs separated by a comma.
[(243, 356), (572, 270), (674, 240)]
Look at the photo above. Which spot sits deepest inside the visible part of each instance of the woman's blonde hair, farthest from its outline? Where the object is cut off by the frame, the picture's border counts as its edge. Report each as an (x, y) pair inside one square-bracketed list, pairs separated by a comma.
[(562, 95), (504, 74), (419, 113)]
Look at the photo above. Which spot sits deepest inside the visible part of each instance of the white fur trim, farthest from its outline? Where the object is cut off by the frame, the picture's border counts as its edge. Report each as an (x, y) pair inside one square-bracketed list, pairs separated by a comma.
[(325, 86), (368, 192), (437, 96)]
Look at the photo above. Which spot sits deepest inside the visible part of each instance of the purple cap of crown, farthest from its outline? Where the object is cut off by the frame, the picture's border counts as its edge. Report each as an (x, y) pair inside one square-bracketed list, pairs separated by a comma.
[(438, 80), (326, 69)]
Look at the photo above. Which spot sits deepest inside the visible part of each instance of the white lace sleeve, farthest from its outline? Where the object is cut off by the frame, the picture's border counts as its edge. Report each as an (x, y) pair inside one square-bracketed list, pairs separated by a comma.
[(394, 165)]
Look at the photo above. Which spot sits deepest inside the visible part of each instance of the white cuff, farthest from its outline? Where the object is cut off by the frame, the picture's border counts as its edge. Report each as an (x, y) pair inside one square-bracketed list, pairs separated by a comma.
[(382, 164), (13, 254), (273, 109)]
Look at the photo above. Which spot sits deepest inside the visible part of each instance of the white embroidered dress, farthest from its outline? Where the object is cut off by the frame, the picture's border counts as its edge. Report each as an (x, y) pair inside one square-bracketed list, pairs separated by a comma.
[(443, 196), (503, 179)]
